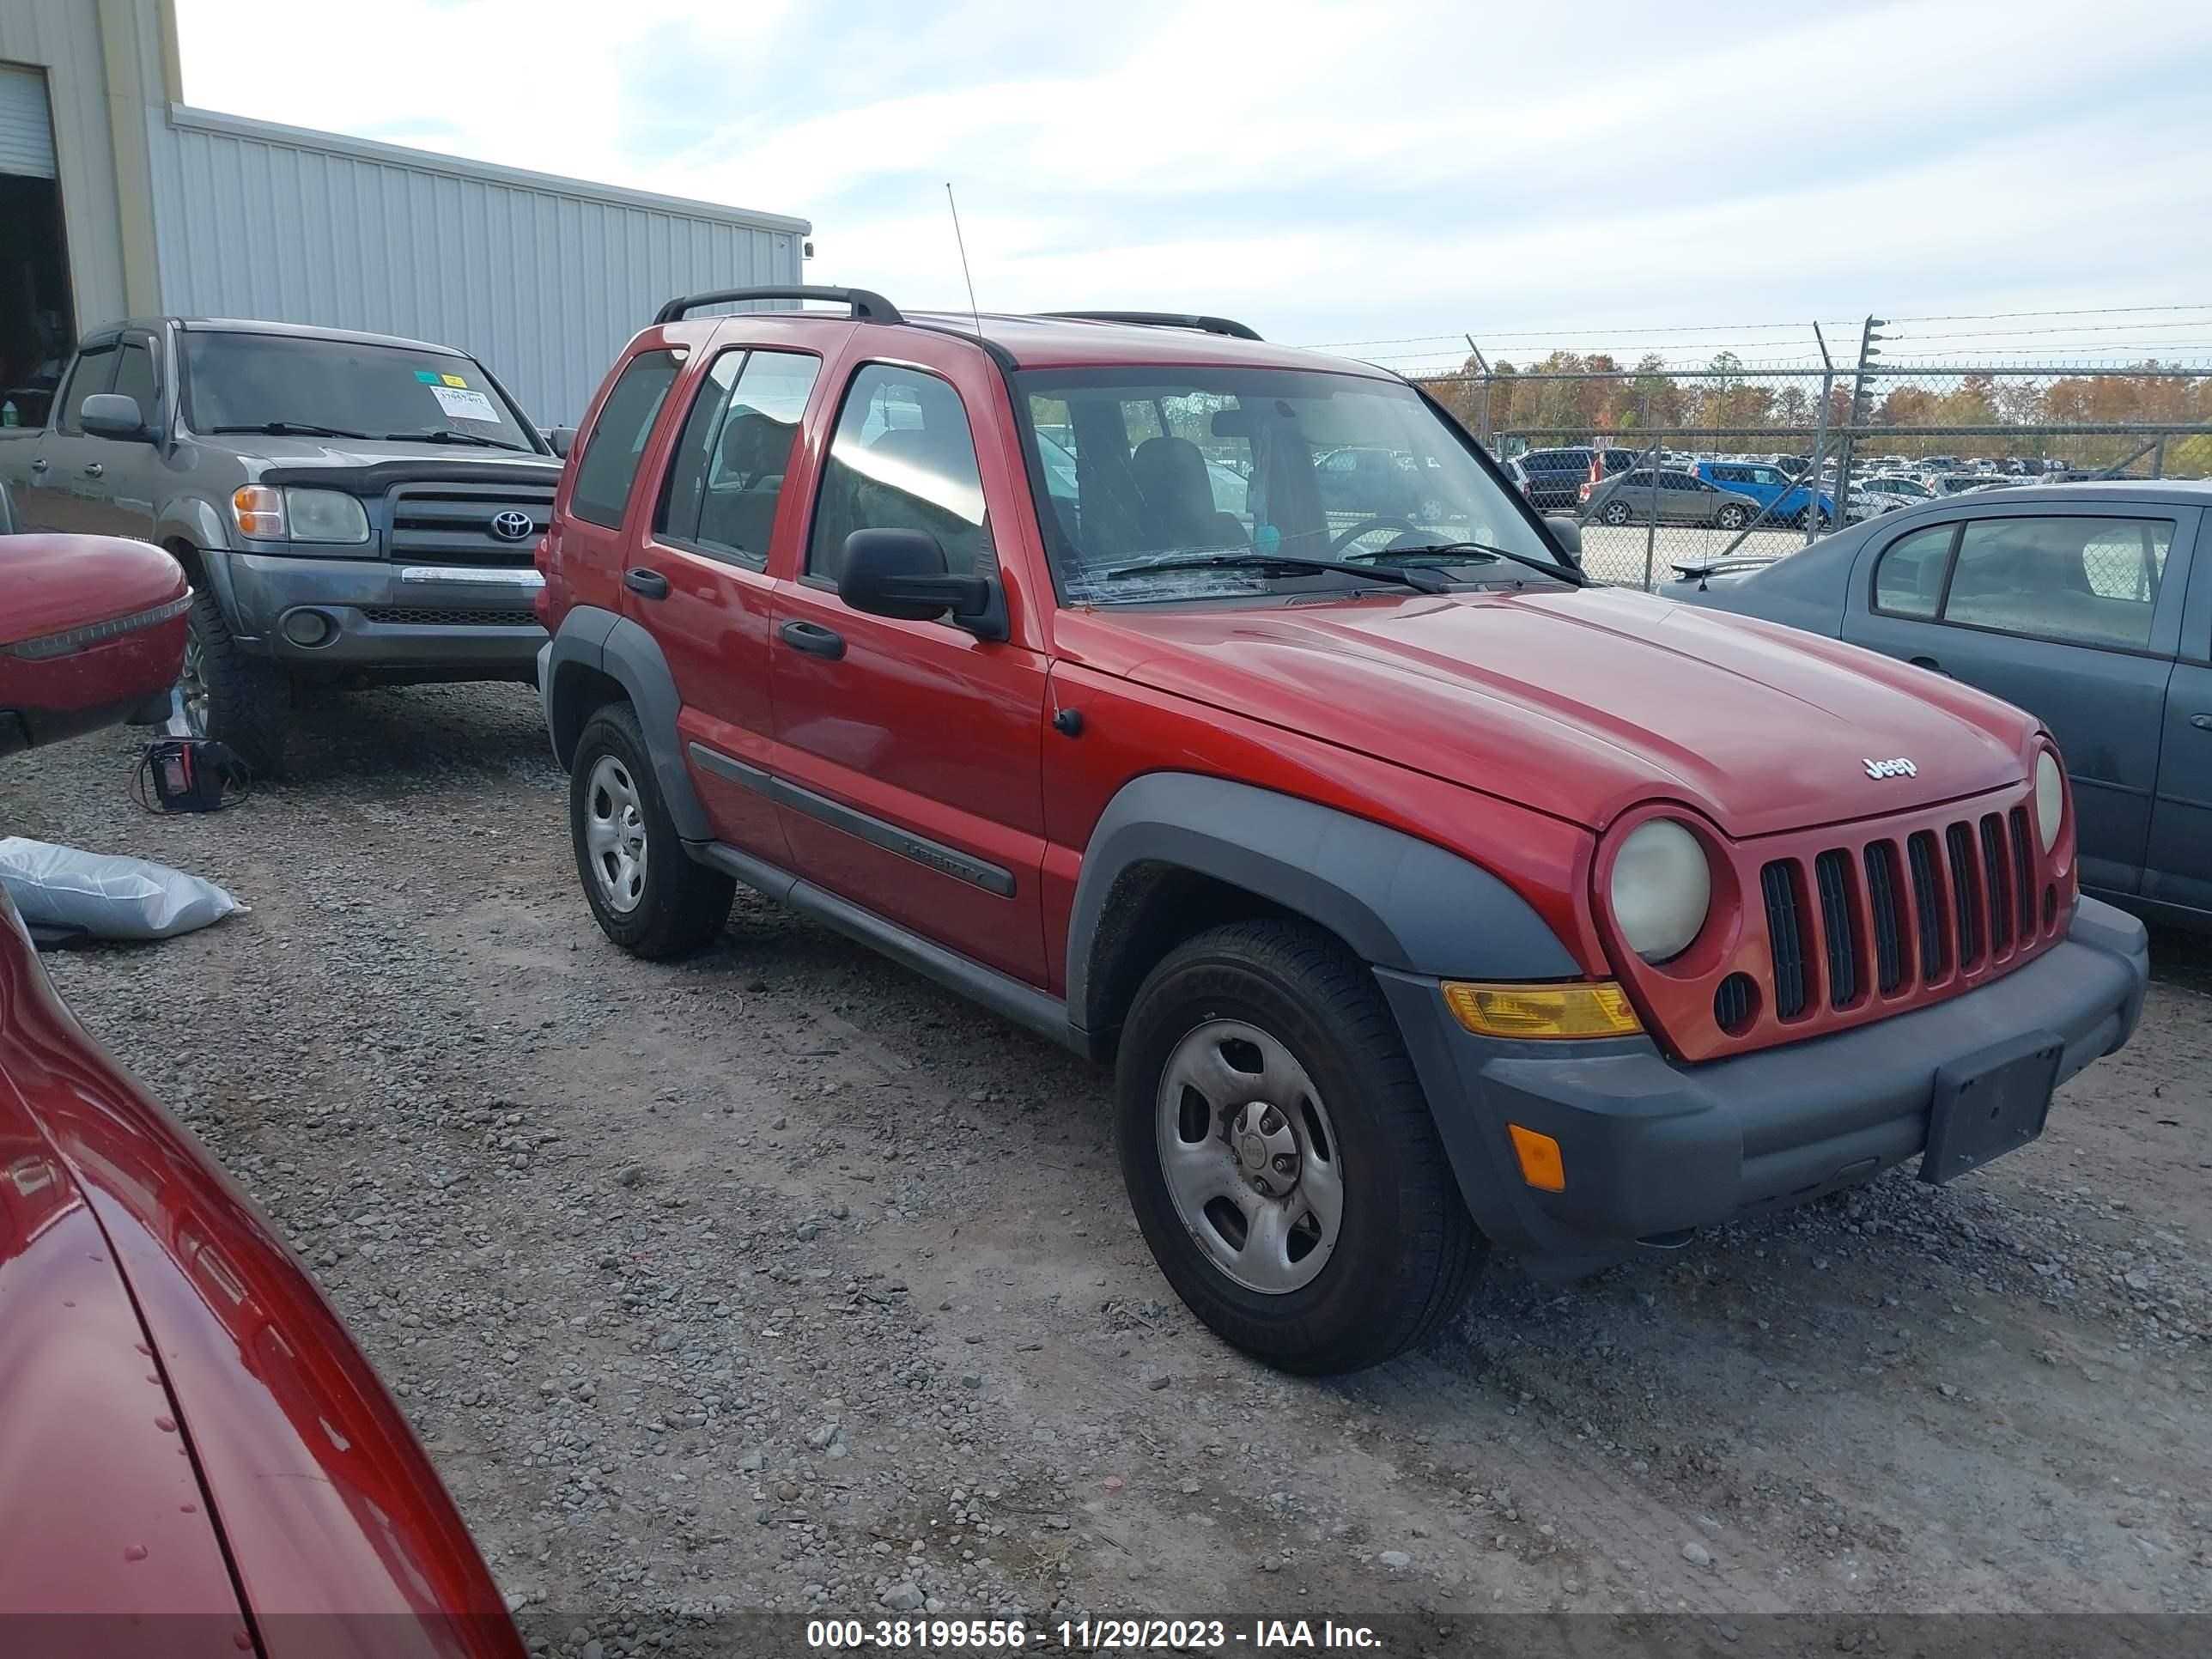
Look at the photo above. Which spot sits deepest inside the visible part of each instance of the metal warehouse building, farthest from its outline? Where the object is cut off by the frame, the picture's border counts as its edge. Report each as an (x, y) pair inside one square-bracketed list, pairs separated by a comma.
[(117, 199)]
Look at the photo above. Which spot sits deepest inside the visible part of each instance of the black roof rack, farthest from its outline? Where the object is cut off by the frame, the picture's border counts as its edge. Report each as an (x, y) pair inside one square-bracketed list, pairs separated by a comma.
[(1163, 319), (868, 307)]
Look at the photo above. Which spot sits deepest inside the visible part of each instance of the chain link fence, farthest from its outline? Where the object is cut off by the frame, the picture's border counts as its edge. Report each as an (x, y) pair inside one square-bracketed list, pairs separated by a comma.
[(1669, 464)]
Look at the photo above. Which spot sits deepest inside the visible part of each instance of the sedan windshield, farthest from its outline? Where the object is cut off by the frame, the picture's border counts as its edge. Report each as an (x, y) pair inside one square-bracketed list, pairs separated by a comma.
[(1149, 466), (297, 385)]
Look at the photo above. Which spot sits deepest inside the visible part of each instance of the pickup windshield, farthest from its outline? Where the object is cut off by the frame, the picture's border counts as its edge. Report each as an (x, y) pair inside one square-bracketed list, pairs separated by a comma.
[(280, 383), (1141, 468)]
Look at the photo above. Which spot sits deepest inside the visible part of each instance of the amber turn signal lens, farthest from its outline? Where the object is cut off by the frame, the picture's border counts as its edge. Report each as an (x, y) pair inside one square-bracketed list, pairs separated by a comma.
[(258, 509), (1541, 1166), (1599, 1009)]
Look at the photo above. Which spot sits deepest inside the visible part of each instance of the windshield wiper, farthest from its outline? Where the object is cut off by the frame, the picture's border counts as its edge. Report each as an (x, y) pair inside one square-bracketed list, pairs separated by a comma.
[(1282, 564), (291, 429), (445, 435), (1443, 552)]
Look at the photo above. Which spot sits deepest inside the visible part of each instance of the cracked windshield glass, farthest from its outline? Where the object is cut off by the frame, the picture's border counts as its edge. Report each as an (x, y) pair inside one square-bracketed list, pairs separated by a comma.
[(1172, 483)]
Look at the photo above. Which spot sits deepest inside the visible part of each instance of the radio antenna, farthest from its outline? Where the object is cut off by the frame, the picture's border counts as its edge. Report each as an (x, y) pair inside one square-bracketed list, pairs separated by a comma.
[(961, 242)]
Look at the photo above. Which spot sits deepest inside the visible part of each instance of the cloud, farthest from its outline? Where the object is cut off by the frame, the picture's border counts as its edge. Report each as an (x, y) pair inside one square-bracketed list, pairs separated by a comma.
[(1331, 173)]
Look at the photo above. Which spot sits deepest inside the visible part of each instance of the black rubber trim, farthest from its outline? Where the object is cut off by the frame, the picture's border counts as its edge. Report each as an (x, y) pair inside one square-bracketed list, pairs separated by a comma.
[(1024, 1005), (877, 832)]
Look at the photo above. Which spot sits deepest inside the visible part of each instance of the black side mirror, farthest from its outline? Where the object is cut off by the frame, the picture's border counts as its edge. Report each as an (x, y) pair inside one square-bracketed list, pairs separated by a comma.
[(1568, 533), (561, 439), (901, 574), (115, 414)]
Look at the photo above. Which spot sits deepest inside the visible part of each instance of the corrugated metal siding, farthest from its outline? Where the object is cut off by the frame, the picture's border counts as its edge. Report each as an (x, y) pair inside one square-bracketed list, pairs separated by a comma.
[(63, 38), (27, 131), (543, 283)]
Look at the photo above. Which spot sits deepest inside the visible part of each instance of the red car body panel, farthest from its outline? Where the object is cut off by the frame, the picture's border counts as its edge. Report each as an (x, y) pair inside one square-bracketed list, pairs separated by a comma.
[(325, 1504), (186, 1428)]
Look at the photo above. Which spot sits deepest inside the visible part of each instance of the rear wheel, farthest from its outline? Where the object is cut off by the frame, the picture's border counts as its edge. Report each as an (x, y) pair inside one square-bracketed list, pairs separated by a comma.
[(1616, 513), (1280, 1155), (1732, 517), (243, 701), (648, 895)]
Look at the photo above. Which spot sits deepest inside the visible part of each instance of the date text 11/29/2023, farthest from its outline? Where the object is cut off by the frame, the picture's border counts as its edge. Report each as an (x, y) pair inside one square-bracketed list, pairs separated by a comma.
[(1084, 1636)]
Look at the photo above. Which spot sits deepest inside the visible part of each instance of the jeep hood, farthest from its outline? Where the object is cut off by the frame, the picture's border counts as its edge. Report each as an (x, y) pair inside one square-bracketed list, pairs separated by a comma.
[(1581, 703)]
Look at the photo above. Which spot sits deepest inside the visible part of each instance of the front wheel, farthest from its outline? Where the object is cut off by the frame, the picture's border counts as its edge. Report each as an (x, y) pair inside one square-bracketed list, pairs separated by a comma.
[(1280, 1155), (1616, 513), (1733, 517), (242, 701)]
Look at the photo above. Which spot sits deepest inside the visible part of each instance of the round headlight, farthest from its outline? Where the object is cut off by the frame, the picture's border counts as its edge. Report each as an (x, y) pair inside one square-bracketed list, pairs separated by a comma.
[(2050, 799), (325, 515), (1662, 888)]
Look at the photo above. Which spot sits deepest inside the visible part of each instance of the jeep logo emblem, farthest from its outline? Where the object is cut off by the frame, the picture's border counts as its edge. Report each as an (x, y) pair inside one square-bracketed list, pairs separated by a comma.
[(510, 525), (1899, 768)]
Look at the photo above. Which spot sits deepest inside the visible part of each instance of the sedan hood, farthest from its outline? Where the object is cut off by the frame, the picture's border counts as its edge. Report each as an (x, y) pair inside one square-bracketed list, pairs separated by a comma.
[(1583, 703)]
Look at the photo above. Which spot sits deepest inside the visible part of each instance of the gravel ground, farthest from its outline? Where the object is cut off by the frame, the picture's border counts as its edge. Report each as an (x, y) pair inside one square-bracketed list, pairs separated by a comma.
[(780, 1280)]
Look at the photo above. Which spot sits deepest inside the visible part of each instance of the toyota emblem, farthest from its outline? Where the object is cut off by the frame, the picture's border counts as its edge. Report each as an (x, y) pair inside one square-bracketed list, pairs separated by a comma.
[(510, 525)]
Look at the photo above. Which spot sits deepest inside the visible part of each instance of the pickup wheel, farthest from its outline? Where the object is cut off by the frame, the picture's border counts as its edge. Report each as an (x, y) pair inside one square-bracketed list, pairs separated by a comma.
[(649, 896), (243, 701), (1280, 1155)]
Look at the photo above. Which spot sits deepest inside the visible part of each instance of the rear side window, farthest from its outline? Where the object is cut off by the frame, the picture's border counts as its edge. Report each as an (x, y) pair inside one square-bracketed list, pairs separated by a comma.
[(609, 464), (2089, 582), (1909, 580), (902, 459), (726, 476)]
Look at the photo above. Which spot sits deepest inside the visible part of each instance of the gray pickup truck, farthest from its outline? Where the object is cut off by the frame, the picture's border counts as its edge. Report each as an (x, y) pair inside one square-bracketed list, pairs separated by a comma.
[(352, 509)]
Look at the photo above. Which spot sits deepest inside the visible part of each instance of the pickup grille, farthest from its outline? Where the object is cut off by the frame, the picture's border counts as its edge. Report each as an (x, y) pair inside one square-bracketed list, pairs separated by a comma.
[(451, 522), (1961, 897)]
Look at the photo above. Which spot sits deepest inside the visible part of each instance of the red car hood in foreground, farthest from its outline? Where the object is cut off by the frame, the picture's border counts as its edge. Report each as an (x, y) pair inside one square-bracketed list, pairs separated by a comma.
[(1583, 703), (184, 1422)]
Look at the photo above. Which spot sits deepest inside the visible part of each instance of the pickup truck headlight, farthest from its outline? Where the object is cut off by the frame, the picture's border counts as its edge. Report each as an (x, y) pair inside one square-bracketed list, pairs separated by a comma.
[(2050, 799), (299, 515), (1662, 886)]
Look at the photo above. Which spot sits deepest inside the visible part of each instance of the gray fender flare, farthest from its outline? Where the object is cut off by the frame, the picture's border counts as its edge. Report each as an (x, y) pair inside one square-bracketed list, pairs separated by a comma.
[(1399, 902), (597, 641)]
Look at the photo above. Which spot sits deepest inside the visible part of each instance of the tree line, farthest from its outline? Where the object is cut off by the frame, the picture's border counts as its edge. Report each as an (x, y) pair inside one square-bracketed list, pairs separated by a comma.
[(1648, 397)]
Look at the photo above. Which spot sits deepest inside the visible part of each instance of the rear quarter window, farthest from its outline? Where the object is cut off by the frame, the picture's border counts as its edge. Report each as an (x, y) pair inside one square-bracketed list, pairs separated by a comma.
[(617, 442)]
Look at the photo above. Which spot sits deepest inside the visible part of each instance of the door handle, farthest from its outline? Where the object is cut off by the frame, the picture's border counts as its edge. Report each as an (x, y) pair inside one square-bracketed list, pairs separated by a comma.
[(1930, 665), (813, 639), (38, 464), (94, 470), (650, 583), (2202, 722)]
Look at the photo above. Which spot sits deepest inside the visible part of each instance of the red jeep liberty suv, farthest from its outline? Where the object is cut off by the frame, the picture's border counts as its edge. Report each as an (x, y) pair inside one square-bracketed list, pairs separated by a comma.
[(1219, 710)]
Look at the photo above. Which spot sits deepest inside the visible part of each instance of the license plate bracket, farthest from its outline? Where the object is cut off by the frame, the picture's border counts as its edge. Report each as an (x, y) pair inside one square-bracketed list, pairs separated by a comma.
[(1990, 1103)]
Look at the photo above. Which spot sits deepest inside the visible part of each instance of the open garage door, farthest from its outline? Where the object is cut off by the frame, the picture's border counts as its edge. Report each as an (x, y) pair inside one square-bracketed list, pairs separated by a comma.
[(35, 324)]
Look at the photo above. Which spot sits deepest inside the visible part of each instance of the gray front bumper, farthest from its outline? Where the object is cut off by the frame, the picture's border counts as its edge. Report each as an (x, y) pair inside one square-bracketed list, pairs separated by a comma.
[(452, 628), (1652, 1148)]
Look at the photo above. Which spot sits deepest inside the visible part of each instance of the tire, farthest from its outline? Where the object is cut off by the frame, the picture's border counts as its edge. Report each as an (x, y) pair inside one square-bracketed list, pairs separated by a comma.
[(1732, 517), (647, 894), (1277, 1011), (243, 701), (1615, 512)]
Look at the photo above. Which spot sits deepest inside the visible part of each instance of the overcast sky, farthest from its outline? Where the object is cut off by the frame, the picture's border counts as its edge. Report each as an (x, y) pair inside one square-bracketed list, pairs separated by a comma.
[(1540, 174)]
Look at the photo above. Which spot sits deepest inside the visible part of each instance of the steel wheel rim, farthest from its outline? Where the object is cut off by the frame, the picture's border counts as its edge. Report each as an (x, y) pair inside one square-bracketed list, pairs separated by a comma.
[(191, 685), (1250, 1157), (614, 834)]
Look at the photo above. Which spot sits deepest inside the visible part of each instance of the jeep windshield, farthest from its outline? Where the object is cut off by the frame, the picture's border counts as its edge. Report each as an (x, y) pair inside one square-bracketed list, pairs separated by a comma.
[(297, 385), (1143, 472)]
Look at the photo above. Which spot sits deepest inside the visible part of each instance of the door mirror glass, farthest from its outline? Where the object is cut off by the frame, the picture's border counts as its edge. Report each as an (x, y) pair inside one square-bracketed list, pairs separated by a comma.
[(113, 414)]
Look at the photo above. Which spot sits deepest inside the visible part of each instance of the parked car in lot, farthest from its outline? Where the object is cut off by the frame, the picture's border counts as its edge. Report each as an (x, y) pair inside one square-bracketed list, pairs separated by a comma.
[(1426, 897), (1679, 497), (2090, 605), (350, 508), (1556, 476), (1787, 500), (198, 1460)]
